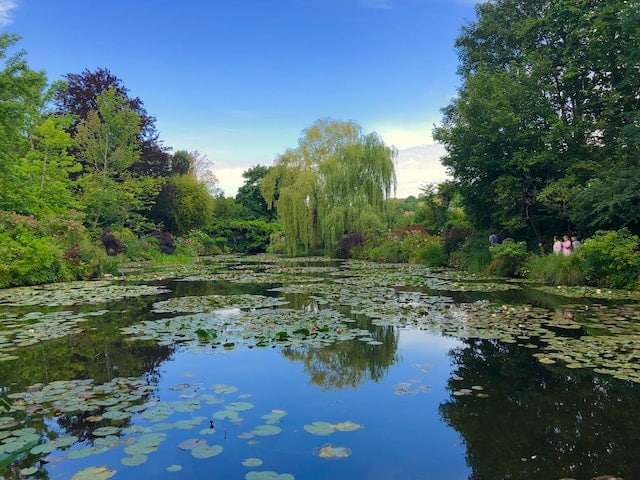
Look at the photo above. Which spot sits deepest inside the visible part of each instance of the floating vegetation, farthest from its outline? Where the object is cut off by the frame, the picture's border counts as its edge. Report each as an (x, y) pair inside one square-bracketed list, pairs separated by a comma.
[(332, 452), (128, 413), (326, 428), (268, 475), (20, 331), (134, 460), (206, 451), (74, 293), (266, 430), (94, 473), (213, 303)]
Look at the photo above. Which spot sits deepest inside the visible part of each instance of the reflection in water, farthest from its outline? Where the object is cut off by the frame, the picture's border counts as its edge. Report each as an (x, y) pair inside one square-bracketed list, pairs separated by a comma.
[(539, 421), (348, 364)]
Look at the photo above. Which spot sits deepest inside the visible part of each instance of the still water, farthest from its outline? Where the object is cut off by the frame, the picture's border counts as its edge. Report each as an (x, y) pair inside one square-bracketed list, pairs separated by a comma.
[(381, 396)]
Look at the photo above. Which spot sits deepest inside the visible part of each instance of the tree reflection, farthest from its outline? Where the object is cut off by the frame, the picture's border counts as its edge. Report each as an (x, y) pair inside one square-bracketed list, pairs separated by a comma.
[(348, 363), (540, 421)]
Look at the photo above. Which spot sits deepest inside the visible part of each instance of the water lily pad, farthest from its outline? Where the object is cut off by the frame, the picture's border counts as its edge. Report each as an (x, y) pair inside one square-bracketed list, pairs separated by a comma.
[(116, 415), (319, 428), (268, 475), (174, 468), (224, 389), (252, 462), (240, 406), (206, 451), (225, 414), (25, 472), (331, 452), (134, 460), (347, 426), (266, 430), (104, 431), (94, 473), (191, 443)]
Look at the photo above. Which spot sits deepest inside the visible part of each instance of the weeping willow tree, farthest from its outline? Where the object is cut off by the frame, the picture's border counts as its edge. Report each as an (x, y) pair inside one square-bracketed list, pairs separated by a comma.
[(358, 180), (334, 182)]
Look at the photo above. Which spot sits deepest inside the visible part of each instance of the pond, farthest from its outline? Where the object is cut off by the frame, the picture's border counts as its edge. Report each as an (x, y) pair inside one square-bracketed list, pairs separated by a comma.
[(271, 368)]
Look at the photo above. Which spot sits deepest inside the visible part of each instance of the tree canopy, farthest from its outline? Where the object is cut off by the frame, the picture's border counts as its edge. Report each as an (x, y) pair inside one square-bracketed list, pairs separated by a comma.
[(547, 109), (334, 182)]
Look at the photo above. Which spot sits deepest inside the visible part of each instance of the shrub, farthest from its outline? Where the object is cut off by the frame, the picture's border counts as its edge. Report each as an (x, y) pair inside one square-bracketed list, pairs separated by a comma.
[(389, 253), (507, 259), (245, 236), (432, 255), (112, 244), (454, 237), (277, 243), (473, 256), (347, 242), (206, 245), (166, 243), (611, 259), (555, 269)]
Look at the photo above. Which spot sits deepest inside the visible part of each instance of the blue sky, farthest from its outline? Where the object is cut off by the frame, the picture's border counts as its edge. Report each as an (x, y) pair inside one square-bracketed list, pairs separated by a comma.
[(238, 80)]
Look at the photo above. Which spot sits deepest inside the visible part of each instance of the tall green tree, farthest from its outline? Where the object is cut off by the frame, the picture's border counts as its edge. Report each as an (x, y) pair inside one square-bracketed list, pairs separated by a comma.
[(249, 195), (546, 106), (358, 180), (183, 204), (107, 139), (46, 169), (108, 145), (21, 99), (334, 174), (79, 97)]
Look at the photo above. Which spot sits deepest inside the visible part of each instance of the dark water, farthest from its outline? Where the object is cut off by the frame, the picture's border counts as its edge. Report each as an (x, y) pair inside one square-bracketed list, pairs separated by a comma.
[(519, 420)]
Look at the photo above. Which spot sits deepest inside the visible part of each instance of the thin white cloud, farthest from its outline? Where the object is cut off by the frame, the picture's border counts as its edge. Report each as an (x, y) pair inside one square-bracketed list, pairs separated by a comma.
[(405, 136), (6, 8), (418, 166)]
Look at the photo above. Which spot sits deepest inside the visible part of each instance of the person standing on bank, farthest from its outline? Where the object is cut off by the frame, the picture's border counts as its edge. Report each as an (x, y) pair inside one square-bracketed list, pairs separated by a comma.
[(493, 239), (557, 245), (566, 246)]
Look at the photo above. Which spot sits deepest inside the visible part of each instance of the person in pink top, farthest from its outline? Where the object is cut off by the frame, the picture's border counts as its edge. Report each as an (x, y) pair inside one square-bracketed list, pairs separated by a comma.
[(566, 246), (557, 245)]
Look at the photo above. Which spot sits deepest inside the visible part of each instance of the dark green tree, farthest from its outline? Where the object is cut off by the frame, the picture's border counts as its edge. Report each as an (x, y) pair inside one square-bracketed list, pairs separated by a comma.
[(249, 195), (183, 204), (21, 100), (548, 104)]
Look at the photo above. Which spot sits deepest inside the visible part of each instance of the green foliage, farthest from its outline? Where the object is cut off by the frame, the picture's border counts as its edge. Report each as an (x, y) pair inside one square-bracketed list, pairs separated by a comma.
[(392, 252), (183, 204), (277, 243), (243, 236), (455, 236), (526, 159), (43, 173), (21, 98), (432, 254), (205, 244), (334, 182), (54, 249), (611, 259), (108, 138), (249, 196), (507, 259), (473, 256), (555, 269), (610, 200)]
